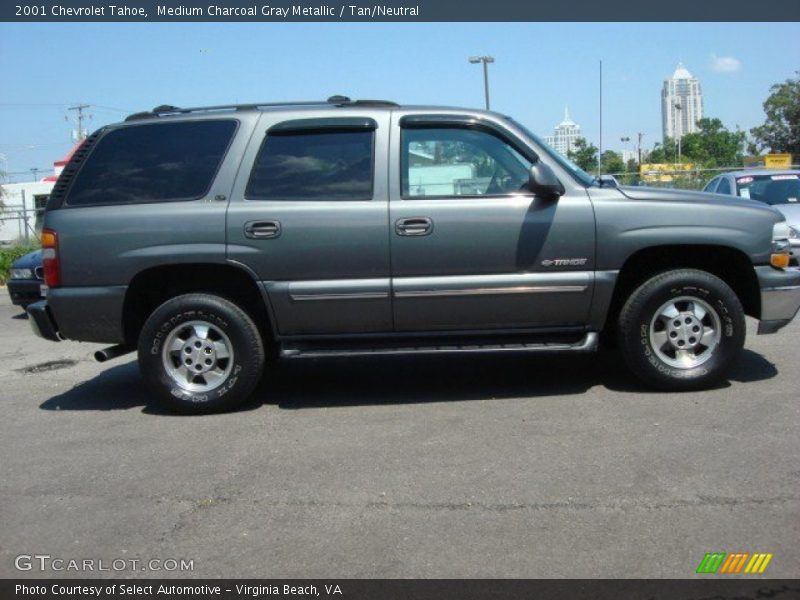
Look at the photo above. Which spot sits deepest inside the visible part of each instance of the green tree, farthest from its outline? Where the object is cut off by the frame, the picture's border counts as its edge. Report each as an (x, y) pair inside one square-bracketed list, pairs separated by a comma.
[(611, 162), (713, 145), (584, 155), (781, 130), (664, 153)]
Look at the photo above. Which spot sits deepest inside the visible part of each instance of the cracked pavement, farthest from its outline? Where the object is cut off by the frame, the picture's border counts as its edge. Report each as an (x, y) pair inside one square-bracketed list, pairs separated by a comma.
[(479, 466)]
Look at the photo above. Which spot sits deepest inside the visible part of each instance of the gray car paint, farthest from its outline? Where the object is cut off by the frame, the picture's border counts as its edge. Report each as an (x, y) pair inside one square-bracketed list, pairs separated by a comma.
[(339, 268)]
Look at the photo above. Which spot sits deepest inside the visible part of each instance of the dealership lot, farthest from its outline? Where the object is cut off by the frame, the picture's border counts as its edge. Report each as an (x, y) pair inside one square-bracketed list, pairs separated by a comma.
[(481, 466)]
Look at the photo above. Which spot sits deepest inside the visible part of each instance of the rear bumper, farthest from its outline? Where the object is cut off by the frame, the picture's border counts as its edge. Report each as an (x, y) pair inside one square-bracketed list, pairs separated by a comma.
[(780, 297), (84, 314), (42, 321)]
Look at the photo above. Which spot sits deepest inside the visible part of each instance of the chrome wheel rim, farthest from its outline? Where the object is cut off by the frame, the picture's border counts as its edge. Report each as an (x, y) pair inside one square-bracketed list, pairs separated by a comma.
[(197, 356), (685, 332)]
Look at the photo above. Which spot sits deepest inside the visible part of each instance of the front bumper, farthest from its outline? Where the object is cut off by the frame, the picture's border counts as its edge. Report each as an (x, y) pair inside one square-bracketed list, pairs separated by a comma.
[(780, 297), (24, 291), (42, 321)]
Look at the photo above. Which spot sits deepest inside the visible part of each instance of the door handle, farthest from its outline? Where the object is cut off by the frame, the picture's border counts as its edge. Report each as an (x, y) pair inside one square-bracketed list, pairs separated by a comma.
[(414, 226), (262, 229)]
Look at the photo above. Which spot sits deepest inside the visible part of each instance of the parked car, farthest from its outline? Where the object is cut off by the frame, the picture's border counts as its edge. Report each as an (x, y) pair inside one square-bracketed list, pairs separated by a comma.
[(211, 239), (26, 279), (780, 189)]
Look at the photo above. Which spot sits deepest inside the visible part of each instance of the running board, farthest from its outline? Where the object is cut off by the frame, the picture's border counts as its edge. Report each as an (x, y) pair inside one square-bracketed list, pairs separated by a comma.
[(587, 343)]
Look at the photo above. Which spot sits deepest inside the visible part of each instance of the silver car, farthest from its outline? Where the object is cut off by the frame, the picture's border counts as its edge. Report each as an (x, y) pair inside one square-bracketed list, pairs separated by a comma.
[(778, 188)]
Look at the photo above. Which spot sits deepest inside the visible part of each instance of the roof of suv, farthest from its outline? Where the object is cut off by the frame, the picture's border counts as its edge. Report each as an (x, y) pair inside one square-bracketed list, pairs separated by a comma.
[(333, 102)]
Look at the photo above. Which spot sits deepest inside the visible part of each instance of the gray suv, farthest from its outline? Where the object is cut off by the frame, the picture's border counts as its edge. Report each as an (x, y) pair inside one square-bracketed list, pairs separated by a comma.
[(213, 239)]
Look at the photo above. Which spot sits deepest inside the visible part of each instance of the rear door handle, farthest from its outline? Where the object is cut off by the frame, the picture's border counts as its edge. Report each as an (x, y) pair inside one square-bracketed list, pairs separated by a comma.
[(414, 226), (262, 229)]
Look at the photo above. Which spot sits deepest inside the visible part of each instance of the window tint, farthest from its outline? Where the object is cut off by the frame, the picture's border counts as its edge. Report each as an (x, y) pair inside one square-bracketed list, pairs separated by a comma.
[(459, 162), (724, 186), (313, 165), (150, 163), (712, 185)]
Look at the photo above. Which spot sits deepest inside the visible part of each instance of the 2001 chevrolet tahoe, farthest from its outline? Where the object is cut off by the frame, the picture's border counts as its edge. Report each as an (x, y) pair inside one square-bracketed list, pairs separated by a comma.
[(212, 238)]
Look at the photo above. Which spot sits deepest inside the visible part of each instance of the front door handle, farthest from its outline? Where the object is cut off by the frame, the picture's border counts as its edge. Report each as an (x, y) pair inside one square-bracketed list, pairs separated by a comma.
[(262, 229), (414, 226)]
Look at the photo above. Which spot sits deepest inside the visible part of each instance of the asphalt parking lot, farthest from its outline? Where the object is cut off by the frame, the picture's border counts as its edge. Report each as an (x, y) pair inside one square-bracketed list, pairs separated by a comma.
[(484, 466)]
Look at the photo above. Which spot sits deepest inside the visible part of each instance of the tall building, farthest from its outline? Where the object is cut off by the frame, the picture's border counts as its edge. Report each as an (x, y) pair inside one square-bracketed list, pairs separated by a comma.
[(564, 135), (681, 104)]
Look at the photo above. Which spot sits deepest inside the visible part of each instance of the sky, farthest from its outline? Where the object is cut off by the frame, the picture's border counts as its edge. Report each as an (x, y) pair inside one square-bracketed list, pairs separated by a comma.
[(540, 69)]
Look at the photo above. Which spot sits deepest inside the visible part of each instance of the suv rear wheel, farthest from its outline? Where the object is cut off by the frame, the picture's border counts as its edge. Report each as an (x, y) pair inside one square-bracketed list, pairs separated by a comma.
[(200, 353), (682, 330)]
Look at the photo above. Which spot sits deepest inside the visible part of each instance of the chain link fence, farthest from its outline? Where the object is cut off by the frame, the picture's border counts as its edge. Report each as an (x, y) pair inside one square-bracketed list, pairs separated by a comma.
[(684, 179)]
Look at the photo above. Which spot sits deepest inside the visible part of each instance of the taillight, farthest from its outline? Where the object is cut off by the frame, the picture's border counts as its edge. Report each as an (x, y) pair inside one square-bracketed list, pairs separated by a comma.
[(52, 269)]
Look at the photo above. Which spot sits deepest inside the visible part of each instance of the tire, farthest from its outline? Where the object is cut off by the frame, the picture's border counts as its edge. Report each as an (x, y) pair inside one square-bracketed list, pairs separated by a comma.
[(200, 353), (682, 330)]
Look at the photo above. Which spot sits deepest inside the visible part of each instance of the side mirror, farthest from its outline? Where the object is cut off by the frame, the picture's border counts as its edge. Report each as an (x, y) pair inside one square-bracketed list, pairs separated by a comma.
[(543, 182), (608, 181)]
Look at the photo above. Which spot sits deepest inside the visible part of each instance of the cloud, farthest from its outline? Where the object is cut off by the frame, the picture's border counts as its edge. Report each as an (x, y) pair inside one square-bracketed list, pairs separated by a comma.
[(725, 64)]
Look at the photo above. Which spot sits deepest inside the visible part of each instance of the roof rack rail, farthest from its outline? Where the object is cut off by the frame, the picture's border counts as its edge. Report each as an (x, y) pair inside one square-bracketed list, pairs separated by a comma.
[(337, 100)]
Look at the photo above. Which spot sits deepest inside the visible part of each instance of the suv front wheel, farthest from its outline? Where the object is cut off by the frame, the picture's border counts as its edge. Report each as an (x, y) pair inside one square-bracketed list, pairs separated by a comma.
[(682, 330), (200, 353)]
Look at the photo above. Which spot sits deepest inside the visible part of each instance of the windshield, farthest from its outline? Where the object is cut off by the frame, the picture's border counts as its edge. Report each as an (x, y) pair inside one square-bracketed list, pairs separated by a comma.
[(562, 160), (770, 189)]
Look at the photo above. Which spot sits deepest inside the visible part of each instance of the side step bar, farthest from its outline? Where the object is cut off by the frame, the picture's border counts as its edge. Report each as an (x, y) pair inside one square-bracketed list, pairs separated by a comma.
[(588, 343)]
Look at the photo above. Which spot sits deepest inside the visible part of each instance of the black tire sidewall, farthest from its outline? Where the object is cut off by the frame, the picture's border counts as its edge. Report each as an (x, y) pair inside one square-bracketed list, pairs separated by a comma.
[(248, 353), (642, 306)]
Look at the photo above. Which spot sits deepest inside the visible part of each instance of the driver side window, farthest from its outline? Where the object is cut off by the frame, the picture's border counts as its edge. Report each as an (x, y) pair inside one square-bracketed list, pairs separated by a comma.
[(459, 162)]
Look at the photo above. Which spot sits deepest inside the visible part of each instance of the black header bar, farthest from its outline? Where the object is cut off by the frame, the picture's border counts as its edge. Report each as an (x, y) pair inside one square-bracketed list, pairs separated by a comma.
[(277, 11)]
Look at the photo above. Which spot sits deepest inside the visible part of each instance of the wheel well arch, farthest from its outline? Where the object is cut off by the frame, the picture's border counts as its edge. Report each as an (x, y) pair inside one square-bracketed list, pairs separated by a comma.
[(153, 286), (729, 264)]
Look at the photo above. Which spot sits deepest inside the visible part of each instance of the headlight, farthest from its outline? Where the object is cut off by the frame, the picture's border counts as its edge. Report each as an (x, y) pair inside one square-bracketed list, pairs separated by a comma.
[(21, 274), (780, 231)]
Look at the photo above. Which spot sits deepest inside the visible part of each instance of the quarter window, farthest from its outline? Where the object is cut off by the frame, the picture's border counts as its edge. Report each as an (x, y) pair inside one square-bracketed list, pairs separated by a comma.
[(314, 165), (153, 163), (460, 162), (724, 186)]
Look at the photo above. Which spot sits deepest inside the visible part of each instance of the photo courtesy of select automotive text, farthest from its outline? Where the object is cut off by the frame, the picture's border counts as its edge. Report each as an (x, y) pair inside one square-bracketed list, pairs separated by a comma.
[(416, 300)]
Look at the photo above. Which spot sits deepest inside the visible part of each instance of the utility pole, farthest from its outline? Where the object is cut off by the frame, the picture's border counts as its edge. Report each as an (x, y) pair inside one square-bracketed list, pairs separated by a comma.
[(639, 147), (35, 172), (485, 60), (79, 120), (600, 150)]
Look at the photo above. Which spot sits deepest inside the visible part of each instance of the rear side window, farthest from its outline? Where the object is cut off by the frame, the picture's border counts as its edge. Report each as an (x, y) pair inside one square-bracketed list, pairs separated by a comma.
[(724, 187), (313, 165), (153, 163)]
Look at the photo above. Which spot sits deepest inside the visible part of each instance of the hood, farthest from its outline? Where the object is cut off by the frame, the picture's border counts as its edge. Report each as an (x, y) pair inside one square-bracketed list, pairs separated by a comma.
[(654, 194), (30, 261), (791, 212)]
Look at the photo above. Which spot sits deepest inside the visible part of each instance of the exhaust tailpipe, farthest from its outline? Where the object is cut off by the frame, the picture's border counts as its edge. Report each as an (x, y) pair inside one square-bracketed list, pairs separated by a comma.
[(112, 352)]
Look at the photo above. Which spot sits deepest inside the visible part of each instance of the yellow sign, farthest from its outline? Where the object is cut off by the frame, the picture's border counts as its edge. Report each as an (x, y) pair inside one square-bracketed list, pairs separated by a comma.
[(769, 161), (663, 171)]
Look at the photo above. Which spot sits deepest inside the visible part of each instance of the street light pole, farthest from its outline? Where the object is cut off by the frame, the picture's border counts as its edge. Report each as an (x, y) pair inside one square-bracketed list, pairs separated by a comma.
[(485, 60), (679, 108)]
